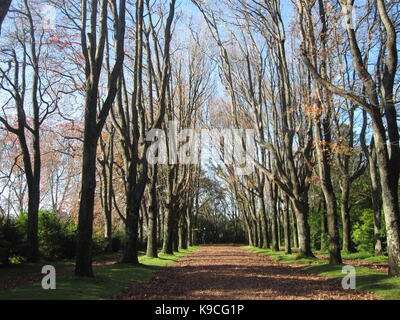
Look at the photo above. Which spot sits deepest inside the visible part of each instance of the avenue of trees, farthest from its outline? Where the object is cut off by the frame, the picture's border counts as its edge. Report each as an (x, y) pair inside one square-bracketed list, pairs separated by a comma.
[(317, 80)]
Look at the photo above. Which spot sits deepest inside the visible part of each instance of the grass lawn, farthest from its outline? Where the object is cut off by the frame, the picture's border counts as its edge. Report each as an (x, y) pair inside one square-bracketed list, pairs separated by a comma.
[(361, 256), (370, 280), (109, 281)]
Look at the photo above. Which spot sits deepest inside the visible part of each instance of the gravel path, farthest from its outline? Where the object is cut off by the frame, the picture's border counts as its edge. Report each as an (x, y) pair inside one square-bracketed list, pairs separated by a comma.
[(234, 273)]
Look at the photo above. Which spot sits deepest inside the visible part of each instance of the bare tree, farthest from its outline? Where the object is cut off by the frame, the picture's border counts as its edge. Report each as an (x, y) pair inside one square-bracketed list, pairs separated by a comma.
[(93, 43), (30, 112)]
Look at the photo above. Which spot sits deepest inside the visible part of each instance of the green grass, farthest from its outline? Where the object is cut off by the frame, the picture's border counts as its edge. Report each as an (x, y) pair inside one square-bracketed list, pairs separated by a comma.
[(282, 257), (361, 256), (368, 279), (109, 281)]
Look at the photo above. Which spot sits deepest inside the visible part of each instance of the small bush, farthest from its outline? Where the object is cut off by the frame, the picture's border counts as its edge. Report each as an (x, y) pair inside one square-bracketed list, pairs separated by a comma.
[(11, 241)]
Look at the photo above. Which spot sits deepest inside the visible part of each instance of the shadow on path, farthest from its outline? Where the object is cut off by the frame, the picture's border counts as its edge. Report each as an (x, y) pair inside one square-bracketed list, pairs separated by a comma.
[(233, 273)]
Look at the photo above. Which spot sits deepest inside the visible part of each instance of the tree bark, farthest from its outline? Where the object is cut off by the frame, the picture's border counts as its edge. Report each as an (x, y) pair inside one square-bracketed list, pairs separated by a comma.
[(345, 213), (286, 221), (295, 230), (376, 202), (4, 7), (183, 232), (168, 229), (130, 255), (274, 218), (152, 245), (264, 223), (301, 209), (83, 267)]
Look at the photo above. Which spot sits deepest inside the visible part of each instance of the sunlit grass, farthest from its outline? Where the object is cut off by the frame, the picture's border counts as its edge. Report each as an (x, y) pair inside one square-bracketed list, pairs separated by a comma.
[(361, 256), (282, 257)]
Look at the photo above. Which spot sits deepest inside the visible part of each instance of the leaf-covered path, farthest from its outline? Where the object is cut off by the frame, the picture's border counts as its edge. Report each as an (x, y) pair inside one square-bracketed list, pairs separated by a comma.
[(234, 273)]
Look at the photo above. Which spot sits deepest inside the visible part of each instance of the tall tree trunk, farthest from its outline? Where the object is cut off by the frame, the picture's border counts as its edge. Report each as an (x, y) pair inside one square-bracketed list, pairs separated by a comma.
[(248, 229), (108, 231), (274, 218), (160, 226), (33, 180), (303, 229), (83, 267), (323, 135), (130, 255), (286, 222), (106, 186), (260, 232), (175, 230), (264, 223), (141, 228), (183, 230), (190, 226), (345, 213), (376, 202), (152, 245), (33, 220), (390, 201), (168, 229), (93, 122), (295, 230), (327, 190), (253, 230)]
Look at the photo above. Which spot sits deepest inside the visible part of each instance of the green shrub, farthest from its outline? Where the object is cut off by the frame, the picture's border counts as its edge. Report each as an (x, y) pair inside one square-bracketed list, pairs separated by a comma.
[(11, 241), (99, 245), (363, 234), (56, 235), (118, 240)]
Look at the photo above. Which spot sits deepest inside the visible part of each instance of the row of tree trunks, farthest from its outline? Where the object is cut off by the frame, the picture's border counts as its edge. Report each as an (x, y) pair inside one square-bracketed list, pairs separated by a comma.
[(378, 95)]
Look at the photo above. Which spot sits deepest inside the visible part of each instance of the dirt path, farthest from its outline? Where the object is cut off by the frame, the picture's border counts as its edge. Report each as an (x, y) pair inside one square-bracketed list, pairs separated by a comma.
[(233, 273)]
